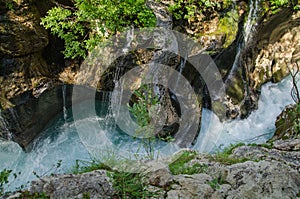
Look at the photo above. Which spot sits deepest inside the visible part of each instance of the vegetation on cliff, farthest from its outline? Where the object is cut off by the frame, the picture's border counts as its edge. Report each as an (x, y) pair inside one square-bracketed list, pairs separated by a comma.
[(87, 23)]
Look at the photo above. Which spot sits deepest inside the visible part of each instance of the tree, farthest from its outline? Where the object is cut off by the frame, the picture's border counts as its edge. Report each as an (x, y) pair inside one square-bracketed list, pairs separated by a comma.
[(89, 22)]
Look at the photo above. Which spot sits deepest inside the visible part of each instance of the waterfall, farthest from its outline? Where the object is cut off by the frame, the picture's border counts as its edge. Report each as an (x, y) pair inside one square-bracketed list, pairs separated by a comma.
[(257, 128), (129, 39), (64, 87), (251, 20), (181, 66), (247, 34), (4, 131), (14, 117)]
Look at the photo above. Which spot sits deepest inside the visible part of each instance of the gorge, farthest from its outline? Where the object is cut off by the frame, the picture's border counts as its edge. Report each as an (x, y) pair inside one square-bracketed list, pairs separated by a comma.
[(56, 112)]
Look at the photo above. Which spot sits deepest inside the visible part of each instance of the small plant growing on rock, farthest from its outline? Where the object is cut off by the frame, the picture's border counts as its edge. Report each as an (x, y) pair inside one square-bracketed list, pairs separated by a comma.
[(180, 165), (129, 185), (225, 157), (216, 182), (4, 175), (146, 102)]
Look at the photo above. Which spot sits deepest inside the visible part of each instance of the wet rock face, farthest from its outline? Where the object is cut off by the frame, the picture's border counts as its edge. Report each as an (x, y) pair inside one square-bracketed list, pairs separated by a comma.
[(287, 123), (22, 40), (21, 33), (273, 49), (30, 115), (279, 51)]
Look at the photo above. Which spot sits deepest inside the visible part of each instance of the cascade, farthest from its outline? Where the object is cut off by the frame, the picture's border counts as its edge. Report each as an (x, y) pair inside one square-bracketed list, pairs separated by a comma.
[(129, 39), (257, 128), (64, 87), (181, 66), (248, 29), (14, 117), (6, 134), (61, 142)]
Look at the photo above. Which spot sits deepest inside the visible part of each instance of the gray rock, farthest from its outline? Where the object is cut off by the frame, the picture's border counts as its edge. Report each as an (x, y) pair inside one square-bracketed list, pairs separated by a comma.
[(96, 184), (291, 158), (191, 186), (265, 179), (287, 145)]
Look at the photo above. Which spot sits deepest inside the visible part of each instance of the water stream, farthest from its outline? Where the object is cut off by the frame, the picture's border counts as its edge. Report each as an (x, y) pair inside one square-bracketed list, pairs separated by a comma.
[(248, 28), (64, 87), (60, 140), (6, 134), (59, 145), (257, 128)]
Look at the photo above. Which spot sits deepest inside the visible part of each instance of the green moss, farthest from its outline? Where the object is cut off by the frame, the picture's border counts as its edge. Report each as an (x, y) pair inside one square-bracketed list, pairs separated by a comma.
[(288, 124), (86, 195), (265, 145), (179, 166), (87, 166), (29, 195), (216, 182), (274, 6), (225, 158), (129, 185), (228, 25), (236, 89)]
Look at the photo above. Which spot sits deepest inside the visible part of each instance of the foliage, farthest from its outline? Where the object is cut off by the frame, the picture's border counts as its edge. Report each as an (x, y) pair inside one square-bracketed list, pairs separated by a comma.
[(265, 145), (89, 22), (129, 185), (10, 5), (275, 5), (146, 101), (288, 123), (189, 170), (4, 175), (179, 166), (28, 195), (188, 9), (225, 158), (88, 166), (86, 195), (141, 110), (216, 182)]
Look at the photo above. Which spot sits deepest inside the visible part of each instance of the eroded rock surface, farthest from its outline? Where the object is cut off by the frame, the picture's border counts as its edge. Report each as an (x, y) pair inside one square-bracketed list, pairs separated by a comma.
[(96, 184), (261, 173)]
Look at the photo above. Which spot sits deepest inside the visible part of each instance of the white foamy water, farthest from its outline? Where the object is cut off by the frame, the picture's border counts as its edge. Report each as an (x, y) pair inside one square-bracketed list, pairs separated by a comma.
[(60, 141), (257, 128)]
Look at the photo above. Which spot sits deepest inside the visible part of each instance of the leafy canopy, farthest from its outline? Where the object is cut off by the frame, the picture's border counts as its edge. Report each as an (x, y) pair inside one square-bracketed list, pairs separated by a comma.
[(89, 22)]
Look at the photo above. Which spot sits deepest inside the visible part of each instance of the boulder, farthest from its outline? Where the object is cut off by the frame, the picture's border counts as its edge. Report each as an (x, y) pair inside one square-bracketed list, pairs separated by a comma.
[(94, 184)]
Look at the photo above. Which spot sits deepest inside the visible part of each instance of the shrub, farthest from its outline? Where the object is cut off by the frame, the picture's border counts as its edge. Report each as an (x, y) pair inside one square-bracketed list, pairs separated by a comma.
[(89, 22), (4, 175)]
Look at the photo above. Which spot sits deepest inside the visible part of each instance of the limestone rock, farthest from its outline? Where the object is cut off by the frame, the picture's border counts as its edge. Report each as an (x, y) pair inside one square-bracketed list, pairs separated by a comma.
[(273, 177), (158, 174), (21, 34), (263, 180), (96, 184), (286, 123), (287, 145), (291, 158), (194, 186)]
